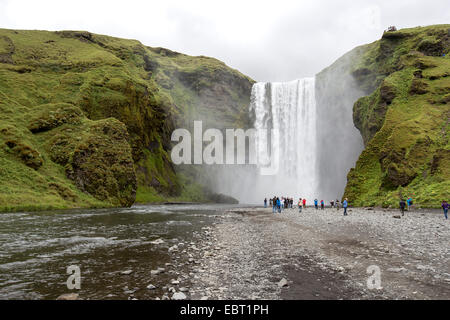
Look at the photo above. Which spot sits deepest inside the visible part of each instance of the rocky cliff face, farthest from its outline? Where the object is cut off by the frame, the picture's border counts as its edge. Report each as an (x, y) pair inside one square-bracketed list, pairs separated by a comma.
[(404, 118), (87, 119)]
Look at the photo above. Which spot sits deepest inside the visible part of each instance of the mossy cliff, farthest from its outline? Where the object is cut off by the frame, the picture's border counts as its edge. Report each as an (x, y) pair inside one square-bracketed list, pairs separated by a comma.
[(87, 119), (404, 118)]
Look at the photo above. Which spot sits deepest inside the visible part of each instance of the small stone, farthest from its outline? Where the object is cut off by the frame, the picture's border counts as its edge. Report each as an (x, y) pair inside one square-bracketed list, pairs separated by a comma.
[(397, 269), (126, 272), (68, 296), (157, 241), (151, 287), (283, 283), (184, 289), (155, 272), (179, 296)]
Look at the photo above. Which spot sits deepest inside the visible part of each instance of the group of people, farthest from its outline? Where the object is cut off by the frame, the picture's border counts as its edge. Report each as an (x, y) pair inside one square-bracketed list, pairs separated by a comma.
[(278, 204), (403, 204), (409, 202)]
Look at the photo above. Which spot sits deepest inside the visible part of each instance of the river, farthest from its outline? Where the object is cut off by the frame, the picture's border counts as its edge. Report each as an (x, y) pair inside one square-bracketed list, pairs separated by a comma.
[(36, 249)]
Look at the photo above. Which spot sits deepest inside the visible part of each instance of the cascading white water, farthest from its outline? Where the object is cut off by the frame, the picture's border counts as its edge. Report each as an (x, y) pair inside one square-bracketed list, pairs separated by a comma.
[(290, 109)]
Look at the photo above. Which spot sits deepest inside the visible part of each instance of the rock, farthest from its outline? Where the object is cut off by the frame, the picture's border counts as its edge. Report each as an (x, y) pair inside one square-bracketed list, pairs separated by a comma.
[(175, 282), (283, 283), (126, 272), (397, 269), (179, 296), (68, 296), (424, 268), (397, 217), (157, 241), (204, 298), (151, 287), (173, 248), (155, 272), (165, 297), (184, 289)]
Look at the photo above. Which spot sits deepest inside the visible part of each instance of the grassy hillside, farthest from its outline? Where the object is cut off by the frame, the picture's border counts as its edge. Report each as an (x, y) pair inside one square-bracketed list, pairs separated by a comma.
[(404, 119), (86, 119)]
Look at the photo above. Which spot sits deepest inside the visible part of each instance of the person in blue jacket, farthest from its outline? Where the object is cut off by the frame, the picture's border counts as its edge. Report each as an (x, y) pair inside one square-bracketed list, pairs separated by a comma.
[(409, 203), (345, 205), (279, 205), (315, 203)]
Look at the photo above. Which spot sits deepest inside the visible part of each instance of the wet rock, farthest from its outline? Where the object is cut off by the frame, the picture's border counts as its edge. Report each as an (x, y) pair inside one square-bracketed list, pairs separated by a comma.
[(157, 241), (151, 287), (126, 272), (68, 296), (179, 296)]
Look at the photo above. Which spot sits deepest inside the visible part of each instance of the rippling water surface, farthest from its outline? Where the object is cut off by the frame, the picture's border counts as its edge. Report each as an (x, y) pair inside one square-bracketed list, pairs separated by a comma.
[(37, 248)]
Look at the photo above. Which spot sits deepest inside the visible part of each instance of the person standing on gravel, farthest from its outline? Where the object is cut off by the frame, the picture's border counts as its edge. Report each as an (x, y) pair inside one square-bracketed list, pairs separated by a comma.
[(300, 205), (304, 203), (409, 202), (345, 205), (274, 205), (402, 206), (279, 205), (265, 202), (445, 208), (322, 204), (337, 204), (315, 203)]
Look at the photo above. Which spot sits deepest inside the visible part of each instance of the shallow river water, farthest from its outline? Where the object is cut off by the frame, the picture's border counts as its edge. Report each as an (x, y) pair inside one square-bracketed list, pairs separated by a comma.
[(37, 248)]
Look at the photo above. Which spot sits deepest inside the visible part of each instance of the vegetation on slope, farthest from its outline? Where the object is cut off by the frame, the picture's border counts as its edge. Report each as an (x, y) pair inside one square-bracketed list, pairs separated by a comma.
[(86, 119), (404, 119)]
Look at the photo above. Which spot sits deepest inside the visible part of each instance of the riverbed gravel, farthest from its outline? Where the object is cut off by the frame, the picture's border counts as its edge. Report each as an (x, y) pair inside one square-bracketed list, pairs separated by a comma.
[(321, 254)]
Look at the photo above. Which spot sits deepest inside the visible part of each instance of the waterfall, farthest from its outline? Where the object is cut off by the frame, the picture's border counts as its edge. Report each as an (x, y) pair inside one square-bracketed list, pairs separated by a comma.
[(290, 109)]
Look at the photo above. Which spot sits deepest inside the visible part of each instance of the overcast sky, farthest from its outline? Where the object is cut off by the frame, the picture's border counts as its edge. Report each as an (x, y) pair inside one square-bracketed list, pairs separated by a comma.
[(268, 40)]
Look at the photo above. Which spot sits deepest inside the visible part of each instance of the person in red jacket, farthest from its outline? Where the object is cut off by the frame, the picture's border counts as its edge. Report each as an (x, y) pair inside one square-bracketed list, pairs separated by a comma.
[(304, 203)]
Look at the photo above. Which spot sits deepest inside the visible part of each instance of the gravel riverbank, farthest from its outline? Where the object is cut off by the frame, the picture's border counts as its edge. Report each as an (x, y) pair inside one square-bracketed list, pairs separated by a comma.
[(251, 253)]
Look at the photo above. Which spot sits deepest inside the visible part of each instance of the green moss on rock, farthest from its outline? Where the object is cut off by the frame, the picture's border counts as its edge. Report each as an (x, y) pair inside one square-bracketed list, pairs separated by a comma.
[(405, 119)]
